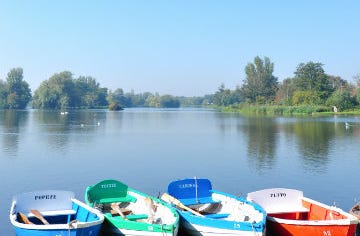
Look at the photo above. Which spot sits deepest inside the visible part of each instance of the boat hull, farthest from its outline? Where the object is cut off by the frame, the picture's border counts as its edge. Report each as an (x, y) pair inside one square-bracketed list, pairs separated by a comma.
[(201, 230), (93, 230), (205, 211), (145, 215), (196, 225), (109, 229), (285, 229), (289, 213), (65, 215)]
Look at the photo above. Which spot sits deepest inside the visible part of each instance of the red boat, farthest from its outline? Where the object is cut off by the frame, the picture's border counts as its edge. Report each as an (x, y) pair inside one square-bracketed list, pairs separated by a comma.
[(289, 213)]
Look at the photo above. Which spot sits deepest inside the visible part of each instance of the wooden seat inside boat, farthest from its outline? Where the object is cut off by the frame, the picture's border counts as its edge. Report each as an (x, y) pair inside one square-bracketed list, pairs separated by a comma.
[(131, 217), (55, 213)]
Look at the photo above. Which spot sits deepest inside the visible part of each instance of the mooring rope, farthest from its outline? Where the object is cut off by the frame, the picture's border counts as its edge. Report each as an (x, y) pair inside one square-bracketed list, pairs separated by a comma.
[(71, 226), (196, 190)]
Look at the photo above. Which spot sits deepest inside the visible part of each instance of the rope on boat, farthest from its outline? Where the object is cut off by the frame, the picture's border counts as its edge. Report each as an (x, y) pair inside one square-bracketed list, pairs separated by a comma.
[(162, 229), (196, 190), (252, 226), (71, 226)]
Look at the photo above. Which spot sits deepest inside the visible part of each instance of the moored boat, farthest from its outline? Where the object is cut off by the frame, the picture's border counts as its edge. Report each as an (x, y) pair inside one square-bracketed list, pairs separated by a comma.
[(289, 213), (53, 213), (130, 212), (205, 211)]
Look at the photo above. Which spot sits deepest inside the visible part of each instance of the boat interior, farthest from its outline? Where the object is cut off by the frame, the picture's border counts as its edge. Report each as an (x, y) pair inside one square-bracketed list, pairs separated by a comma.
[(66, 216), (114, 200), (312, 211)]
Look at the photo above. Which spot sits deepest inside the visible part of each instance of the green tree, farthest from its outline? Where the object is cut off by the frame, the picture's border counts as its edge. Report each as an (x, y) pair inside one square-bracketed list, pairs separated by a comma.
[(61, 91), (153, 100), (341, 99), (311, 76), (260, 84), (3, 95), (285, 92), (168, 101), (226, 97), (89, 94), (118, 97), (306, 98), (56, 93), (16, 90)]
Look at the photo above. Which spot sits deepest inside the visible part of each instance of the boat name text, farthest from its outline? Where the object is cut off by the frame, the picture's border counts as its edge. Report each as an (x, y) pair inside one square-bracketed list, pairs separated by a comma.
[(45, 197), (108, 186), (187, 186), (277, 194)]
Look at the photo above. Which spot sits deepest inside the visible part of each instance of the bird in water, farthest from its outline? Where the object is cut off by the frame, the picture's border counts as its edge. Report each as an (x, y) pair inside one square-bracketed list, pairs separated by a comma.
[(347, 125)]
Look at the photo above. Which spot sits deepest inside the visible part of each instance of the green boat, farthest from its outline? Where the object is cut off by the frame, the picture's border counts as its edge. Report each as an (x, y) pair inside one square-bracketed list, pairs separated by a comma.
[(130, 212)]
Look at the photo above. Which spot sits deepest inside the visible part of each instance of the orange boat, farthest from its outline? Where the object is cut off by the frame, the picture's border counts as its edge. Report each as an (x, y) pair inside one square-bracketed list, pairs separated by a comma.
[(289, 213)]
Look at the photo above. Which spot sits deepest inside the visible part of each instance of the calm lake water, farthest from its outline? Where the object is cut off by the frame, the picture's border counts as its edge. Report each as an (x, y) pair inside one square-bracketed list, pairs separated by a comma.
[(148, 148)]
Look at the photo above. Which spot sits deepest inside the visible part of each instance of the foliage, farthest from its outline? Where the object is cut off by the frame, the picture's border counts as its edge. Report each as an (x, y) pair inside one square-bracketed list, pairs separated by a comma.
[(193, 101), (61, 91), (168, 101), (119, 97), (311, 77), (115, 106), (260, 82), (3, 95), (225, 97), (342, 100), (15, 93), (285, 92), (306, 98), (247, 108), (90, 92)]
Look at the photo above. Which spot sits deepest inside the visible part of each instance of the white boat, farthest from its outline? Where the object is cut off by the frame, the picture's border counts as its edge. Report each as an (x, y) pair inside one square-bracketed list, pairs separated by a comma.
[(204, 211), (53, 213), (290, 213)]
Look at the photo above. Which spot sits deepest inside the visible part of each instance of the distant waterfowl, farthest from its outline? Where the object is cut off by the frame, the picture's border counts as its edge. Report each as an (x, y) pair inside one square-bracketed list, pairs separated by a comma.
[(347, 125)]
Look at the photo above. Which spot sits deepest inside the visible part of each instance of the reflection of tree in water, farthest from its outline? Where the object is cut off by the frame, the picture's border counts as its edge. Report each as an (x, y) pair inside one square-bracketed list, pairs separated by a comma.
[(11, 122), (262, 139), (314, 139), (61, 128)]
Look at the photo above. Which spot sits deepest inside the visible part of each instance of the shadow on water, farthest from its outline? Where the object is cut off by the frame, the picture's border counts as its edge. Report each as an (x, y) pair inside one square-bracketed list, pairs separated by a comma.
[(12, 121)]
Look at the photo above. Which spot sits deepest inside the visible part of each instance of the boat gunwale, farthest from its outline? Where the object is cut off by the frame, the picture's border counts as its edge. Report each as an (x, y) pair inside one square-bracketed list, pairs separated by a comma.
[(350, 219), (216, 223), (72, 225), (157, 228)]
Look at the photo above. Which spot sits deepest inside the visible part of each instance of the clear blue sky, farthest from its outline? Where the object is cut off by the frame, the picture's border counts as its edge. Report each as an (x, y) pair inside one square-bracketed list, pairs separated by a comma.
[(178, 47)]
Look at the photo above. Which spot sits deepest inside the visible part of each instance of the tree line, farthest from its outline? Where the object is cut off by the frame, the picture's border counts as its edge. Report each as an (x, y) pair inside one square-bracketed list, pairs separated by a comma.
[(63, 91), (309, 86)]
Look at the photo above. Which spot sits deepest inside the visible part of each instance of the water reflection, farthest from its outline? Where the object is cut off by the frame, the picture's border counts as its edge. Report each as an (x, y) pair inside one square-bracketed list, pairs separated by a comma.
[(73, 127), (261, 140), (11, 123), (314, 141)]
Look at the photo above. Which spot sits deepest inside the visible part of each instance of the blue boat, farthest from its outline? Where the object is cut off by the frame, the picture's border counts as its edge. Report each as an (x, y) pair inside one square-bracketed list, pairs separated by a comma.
[(53, 213), (204, 211)]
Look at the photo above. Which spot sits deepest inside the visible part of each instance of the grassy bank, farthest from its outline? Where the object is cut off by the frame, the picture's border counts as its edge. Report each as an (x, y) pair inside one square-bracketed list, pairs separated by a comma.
[(281, 110)]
